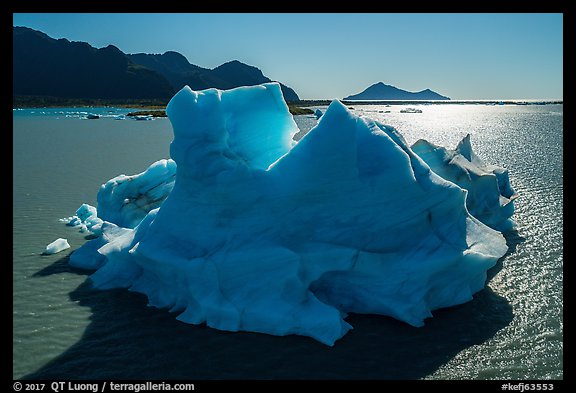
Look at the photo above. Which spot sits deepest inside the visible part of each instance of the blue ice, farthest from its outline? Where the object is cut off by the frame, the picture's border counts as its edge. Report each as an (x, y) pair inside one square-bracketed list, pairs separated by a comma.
[(245, 229)]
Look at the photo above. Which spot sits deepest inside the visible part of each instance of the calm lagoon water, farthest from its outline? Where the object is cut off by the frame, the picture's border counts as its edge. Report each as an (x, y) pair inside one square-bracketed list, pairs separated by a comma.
[(63, 329)]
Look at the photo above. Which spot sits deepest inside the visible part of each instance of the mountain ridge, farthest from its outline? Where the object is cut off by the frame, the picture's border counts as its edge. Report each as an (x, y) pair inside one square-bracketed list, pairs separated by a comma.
[(179, 72), (45, 66), (48, 67)]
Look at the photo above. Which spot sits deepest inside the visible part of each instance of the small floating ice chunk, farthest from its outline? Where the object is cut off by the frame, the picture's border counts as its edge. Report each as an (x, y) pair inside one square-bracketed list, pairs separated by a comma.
[(318, 113), (74, 221), (85, 211), (56, 246), (86, 219), (93, 224), (143, 117)]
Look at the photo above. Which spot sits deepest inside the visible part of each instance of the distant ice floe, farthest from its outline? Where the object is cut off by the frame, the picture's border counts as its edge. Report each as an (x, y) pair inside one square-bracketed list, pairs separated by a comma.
[(142, 117), (245, 229)]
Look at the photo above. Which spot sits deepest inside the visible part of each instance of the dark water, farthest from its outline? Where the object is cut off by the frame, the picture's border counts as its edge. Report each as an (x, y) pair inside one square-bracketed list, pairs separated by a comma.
[(63, 329)]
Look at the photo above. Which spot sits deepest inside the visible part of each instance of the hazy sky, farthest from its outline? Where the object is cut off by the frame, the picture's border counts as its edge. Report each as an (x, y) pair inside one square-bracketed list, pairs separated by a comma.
[(325, 56)]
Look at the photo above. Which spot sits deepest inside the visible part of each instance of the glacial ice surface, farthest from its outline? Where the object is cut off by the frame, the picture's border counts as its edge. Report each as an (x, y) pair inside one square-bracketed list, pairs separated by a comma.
[(247, 230), (490, 194), (125, 200)]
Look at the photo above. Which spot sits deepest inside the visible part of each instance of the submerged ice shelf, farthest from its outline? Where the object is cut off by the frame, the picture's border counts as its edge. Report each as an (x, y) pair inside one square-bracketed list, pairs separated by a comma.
[(245, 229)]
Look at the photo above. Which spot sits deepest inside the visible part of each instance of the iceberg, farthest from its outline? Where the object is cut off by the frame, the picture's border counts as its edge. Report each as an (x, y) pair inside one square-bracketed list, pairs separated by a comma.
[(125, 200), (490, 194), (410, 110), (86, 219), (56, 246), (245, 229), (318, 113)]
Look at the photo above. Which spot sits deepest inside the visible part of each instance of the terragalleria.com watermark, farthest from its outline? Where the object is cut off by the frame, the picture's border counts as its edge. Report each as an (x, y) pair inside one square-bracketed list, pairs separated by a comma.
[(136, 387)]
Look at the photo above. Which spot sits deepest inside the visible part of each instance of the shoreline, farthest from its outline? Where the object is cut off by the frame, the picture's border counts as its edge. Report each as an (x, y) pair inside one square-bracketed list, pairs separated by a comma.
[(146, 107), (306, 103), (25, 102)]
